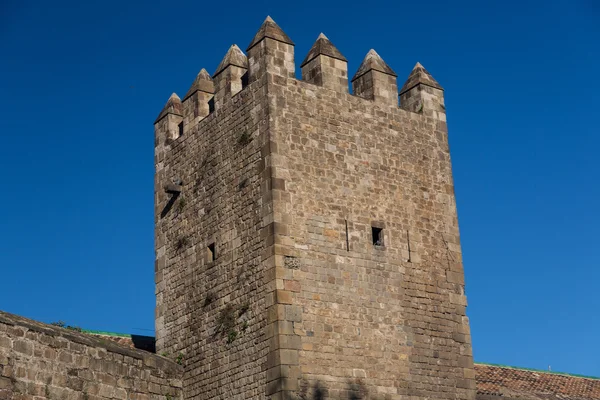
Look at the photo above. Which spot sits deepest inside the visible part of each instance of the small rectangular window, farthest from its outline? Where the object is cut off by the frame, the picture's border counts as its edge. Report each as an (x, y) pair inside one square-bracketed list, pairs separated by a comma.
[(180, 126), (211, 105), (377, 236), (211, 254)]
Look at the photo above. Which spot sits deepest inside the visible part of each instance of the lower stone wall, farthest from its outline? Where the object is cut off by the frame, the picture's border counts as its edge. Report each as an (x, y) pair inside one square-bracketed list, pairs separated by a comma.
[(39, 361)]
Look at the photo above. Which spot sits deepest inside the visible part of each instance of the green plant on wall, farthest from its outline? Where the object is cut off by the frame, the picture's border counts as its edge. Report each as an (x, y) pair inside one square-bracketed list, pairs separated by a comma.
[(231, 336), (226, 319), (181, 205), (62, 324), (226, 323)]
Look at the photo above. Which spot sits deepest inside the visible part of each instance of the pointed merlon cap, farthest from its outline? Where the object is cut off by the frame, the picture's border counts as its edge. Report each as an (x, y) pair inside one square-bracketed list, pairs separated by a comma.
[(419, 75), (173, 106), (203, 83), (373, 61), (234, 56), (322, 47), (269, 29)]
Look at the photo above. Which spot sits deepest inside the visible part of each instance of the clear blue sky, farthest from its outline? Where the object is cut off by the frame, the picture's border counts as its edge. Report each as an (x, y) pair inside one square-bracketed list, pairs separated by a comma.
[(81, 83)]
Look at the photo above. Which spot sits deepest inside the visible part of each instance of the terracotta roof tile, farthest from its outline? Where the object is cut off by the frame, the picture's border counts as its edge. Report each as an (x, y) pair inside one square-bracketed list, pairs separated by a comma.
[(511, 382)]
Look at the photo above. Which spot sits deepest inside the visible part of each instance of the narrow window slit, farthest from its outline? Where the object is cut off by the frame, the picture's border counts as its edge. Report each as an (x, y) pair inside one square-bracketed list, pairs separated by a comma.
[(211, 254), (244, 80)]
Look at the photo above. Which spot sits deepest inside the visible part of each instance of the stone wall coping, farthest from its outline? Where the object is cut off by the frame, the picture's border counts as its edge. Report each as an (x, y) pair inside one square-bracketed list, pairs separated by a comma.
[(150, 360)]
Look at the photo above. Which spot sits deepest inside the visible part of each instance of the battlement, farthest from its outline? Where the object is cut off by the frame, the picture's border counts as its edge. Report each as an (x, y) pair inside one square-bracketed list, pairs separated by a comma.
[(271, 54)]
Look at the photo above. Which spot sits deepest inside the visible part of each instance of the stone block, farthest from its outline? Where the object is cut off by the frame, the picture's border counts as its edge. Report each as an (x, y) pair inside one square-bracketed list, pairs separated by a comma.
[(23, 346), (5, 342)]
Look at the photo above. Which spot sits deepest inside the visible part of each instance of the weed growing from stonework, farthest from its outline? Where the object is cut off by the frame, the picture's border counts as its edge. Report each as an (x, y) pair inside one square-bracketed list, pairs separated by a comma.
[(179, 359), (168, 397), (231, 336), (164, 354), (226, 319), (62, 324), (420, 108), (181, 205), (244, 326), (244, 139)]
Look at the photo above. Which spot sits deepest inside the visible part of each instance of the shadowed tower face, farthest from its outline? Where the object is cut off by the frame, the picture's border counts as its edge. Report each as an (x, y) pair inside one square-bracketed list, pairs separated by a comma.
[(307, 240)]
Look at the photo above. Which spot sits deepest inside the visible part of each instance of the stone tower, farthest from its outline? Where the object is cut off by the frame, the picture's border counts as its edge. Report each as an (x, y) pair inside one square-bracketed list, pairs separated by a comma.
[(307, 242)]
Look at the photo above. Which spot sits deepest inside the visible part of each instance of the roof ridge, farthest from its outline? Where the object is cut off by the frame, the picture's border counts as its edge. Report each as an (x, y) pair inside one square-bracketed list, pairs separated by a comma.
[(539, 370)]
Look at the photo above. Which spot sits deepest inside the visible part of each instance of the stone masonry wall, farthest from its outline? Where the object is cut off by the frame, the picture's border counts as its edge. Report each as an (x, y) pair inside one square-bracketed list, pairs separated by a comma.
[(39, 361), (212, 311), (372, 318)]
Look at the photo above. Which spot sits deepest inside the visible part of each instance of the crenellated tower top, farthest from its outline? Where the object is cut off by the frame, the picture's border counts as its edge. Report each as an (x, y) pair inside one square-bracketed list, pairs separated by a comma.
[(272, 50)]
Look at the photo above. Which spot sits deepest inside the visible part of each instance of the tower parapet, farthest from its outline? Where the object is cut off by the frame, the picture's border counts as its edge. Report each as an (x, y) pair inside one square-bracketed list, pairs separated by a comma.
[(325, 66), (196, 100), (422, 94), (375, 80), (270, 51), (228, 78), (170, 118)]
